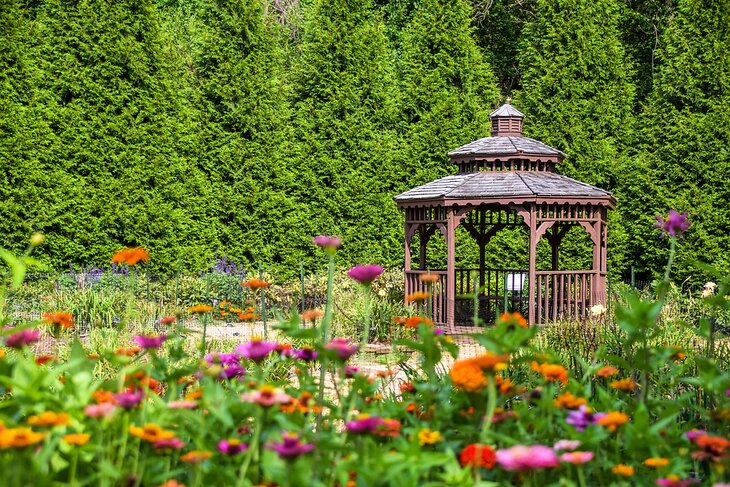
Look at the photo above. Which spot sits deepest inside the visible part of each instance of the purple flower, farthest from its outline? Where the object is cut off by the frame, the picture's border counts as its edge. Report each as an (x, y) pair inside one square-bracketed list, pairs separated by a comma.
[(307, 354), (343, 347), (169, 444), (233, 371), (231, 446), (365, 274), (675, 224), (148, 342), (128, 400), (438, 331), (256, 349), (327, 242), (291, 446), (674, 482), (22, 338), (692, 434), (364, 425), (350, 371), (217, 358), (582, 418)]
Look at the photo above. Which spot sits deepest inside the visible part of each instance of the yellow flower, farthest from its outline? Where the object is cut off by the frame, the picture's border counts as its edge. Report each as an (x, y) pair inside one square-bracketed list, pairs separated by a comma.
[(626, 385), (76, 438), (656, 462), (151, 432), (49, 418), (428, 437), (623, 470)]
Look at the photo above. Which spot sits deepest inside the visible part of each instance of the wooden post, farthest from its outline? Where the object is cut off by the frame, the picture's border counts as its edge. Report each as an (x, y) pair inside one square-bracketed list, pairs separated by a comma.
[(532, 277), (450, 269)]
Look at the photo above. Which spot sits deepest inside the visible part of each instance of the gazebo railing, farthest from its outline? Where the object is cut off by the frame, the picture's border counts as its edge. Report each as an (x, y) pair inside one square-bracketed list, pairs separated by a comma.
[(439, 293), (563, 294), (502, 289)]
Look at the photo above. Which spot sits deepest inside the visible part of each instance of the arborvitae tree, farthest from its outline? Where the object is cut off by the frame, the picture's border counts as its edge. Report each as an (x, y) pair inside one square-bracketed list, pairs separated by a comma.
[(238, 61), (578, 95), (122, 145), (685, 143), (344, 122)]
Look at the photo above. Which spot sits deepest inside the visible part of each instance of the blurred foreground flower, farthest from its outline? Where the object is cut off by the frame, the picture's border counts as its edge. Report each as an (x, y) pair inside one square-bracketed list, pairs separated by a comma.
[(149, 342), (256, 349), (327, 242), (59, 318), (522, 457), (342, 347), (290, 447), (255, 284), (476, 455), (23, 338), (130, 256), (675, 224), (365, 274), (709, 289)]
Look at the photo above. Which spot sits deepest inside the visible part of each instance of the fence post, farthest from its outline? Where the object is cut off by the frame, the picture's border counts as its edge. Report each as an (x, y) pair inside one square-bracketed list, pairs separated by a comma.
[(633, 277), (504, 298), (263, 302), (608, 292), (301, 278)]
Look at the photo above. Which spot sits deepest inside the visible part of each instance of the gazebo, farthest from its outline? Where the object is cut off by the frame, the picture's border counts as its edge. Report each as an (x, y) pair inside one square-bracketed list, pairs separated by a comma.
[(507, 180)]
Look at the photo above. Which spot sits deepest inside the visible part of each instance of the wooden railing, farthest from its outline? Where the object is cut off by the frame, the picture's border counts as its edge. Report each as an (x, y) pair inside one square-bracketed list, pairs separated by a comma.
[(494, 294), (563, 295), (439, 292)]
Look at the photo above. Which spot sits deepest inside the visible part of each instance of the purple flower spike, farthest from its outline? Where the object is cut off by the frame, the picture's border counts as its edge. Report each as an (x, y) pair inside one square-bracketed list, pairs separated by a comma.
[(148, 342), (128, 400), (582, 418), (343, 347), (231, 446), (23, 338), (327, 242), (675, 224), (365, 274), (256, 349), (291, 446)]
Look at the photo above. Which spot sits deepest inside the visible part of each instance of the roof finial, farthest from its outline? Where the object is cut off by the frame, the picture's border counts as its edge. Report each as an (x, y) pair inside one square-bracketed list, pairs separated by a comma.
[(508, 100)]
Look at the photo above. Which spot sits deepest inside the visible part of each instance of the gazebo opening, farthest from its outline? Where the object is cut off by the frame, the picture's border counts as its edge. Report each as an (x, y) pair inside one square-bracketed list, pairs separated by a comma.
[(508, 226)]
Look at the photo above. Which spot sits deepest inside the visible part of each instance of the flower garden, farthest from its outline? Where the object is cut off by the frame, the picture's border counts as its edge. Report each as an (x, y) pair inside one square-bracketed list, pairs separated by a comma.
[(292, 408)]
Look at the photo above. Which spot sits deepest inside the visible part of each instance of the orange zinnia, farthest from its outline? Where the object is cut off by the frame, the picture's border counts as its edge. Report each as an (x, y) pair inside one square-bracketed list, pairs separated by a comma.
[(196, 456), (19, 437), (468, 376), (255, 283), (414, 321), (476, 455), (656, 462), (606, 371), (76, 438), (491, 362), (569, 401), (59, 318), (49, 418), (626, 385), (613, 420), (129, 352), (417, 297), (151, 432), (200, 309), (551, 372), (130, 256), (429, 278), (623, 470), (515, 319), (311, 315)]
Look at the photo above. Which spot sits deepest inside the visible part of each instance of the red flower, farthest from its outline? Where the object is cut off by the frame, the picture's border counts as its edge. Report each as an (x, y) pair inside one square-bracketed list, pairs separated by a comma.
[(477, 455)]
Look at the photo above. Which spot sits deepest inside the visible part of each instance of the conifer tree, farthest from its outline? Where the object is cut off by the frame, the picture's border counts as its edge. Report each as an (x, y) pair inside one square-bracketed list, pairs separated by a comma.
[(685, 143)]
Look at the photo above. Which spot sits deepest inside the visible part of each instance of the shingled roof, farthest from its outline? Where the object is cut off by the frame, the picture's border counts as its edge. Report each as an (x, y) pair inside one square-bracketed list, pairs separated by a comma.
[(506, 146), (486, 185)]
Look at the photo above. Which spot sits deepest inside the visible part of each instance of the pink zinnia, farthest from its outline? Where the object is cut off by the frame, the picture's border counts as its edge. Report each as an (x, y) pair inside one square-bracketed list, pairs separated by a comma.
[(23, 338), (231, 446), (343, 347), (672, 481), (566, 445), (327, 242), (99, 410), (266, 396), (128, 400), (168, 320), (577, 457), (290, 447), (522, 457), (148, 342), (364, 425), (169, 444), (256, 350), (365, 274), (675, 224), (182, 404)]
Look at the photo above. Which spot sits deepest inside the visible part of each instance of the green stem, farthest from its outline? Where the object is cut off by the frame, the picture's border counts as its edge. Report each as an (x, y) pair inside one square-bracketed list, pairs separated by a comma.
[(324, 336), (74, 465), (581, 476), (125, 437), (491, 406), (258, 425), (366, 326)]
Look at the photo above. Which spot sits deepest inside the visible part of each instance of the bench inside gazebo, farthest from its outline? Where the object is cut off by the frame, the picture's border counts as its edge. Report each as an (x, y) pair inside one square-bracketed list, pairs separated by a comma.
[(506, 181)]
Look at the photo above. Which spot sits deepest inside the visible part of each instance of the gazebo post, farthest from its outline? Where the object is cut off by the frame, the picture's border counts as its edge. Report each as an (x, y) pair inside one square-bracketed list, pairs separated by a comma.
[(532, 276), (555, 246), (451, 268)]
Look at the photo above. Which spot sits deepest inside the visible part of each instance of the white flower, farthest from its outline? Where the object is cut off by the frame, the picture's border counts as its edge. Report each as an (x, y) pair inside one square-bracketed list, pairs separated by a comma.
[(709, 289), (598, 310)]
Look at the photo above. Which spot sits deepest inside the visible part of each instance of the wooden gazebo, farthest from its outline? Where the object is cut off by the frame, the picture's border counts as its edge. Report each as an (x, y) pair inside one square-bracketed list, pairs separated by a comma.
[(503, 181)]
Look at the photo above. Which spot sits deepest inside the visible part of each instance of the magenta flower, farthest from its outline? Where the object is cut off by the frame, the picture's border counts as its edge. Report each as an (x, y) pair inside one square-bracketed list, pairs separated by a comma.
[(521, 457), (99, 410), (307, 354), (692, 434), (23, 338), (350, 371), (343, 347), (231, 446), (582, 418), (233, 371), (266, 396), (256, 350), (365, 274), (128, 400), (364, 425), (217, 358), (182, 404), (675, 224), (148, 342), (169, 444), (291, 446), (327, 242), (675, 482)]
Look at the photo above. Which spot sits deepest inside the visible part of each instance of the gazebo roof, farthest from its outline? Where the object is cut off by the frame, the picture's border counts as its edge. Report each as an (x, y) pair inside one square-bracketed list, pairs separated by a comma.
[(514, 185), (506, 146)]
